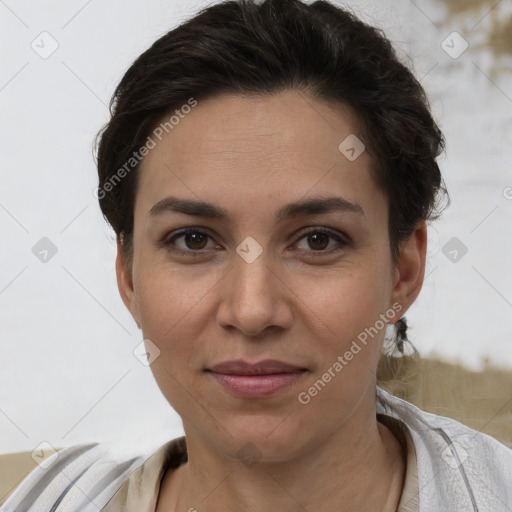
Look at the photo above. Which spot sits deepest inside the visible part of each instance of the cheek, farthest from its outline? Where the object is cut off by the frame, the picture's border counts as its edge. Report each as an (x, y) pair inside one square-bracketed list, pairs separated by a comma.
[(173, 317), (164, 292), (159, 301), (353, 309), (350, 300), (175, 306), (348, 350)]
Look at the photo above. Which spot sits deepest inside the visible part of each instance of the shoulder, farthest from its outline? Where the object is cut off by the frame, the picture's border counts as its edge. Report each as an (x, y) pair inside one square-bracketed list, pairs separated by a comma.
[(41, 481), (454, 461)]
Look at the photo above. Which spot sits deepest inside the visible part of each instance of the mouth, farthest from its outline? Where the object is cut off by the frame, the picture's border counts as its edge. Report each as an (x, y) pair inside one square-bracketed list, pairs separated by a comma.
[(255, 380)]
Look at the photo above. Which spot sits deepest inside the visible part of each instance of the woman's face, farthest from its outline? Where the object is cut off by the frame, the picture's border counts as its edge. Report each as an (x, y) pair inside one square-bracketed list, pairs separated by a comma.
[(269, 280)]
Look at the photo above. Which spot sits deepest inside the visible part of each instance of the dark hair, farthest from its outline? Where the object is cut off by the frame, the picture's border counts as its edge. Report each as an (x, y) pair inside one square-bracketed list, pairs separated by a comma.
[(243, 46)]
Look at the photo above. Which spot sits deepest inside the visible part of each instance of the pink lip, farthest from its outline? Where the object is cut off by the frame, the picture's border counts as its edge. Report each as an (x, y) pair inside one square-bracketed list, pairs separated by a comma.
[(256, 380)]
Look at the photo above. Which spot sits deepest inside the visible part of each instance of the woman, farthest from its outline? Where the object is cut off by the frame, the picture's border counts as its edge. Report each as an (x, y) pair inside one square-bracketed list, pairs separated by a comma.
[(269, 169)]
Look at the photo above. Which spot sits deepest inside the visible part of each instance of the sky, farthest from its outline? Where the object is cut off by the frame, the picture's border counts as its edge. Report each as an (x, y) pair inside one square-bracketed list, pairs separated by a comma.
[(68, 372)]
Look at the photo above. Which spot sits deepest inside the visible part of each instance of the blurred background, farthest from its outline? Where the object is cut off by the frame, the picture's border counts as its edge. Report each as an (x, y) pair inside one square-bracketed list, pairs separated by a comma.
[(68, 373)]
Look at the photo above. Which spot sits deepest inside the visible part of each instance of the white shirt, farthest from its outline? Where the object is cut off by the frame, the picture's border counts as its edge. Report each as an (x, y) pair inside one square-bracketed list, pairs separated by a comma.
[(450, 467)]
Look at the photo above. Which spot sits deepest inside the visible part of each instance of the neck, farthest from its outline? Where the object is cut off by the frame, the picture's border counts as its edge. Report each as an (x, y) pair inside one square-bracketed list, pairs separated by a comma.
[(354, 469)]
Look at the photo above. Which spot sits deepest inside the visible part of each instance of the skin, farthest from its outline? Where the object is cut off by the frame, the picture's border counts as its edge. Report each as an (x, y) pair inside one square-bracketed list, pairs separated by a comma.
[(252, 155)]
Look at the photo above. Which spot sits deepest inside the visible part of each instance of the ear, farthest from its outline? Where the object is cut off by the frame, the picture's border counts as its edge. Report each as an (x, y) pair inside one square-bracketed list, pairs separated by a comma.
[(125, 284), (410, 268)]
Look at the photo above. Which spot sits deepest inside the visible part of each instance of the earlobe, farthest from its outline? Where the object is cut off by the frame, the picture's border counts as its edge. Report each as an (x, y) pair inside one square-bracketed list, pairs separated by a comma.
[(125, 284), (410, 268)]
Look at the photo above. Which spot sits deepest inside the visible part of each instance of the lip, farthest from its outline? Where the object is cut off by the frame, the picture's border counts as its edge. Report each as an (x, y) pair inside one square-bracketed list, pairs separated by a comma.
[(256, 380), (266, 367)]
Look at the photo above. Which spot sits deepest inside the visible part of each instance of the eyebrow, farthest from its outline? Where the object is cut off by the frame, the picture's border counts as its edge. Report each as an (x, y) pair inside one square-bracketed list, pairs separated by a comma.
[(313, 206)]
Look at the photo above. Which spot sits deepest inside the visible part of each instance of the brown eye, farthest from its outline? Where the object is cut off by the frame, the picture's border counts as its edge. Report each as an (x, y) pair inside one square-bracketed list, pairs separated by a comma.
[(317, 240), (192, 240), (195, 240)]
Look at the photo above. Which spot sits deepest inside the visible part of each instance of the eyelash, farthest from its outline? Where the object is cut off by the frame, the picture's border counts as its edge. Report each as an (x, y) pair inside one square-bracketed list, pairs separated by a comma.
[(167, 242)]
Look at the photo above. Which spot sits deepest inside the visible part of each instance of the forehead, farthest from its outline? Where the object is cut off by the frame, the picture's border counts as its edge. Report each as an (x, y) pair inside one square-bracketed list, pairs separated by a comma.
[(289, 121), (234, 148)]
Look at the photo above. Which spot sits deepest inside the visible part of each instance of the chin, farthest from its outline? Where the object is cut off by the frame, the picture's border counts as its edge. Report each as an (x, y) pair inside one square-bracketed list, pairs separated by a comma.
[(263, 439)]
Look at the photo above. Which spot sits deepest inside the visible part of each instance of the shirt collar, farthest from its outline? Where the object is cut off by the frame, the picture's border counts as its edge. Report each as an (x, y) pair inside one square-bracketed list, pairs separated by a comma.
[(139, 492)]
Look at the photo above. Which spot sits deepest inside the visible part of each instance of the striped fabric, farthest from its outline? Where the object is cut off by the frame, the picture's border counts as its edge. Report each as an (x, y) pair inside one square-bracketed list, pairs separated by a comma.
[(450, 468), (86, 477)]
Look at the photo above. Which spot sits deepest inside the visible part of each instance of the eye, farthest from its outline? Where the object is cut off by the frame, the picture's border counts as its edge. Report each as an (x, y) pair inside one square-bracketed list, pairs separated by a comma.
[(194, 240), (317, 240)]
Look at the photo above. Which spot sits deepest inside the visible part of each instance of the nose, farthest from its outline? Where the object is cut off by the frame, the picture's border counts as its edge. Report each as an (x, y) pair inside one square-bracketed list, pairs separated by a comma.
[(254, 297)]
